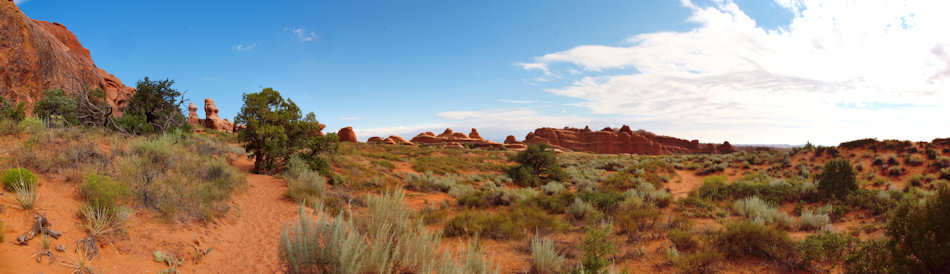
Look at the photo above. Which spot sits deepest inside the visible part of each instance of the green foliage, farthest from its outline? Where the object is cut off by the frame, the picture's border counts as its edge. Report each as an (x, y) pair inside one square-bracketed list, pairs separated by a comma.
[(871, 256), (580, 209), (155, 108), (837, 179), (103, 192), (507, 225), (544, 259), (682, 239), (12, 112), (714, 187), (274, 130), (635, 216), (700, 262), (55, 103), (920, 234), (597, 248), (536, 164), (826, 248), (25, 195), (18, 177), (813, 221), (747, 239), (759, 211)]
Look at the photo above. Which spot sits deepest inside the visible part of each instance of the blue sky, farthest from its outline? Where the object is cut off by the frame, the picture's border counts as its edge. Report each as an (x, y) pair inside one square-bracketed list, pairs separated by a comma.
[(507, 67)]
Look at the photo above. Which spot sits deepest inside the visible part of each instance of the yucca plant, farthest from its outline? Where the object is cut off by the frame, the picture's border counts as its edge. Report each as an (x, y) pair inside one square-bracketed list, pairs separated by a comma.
[(544, 258), (25, 195)]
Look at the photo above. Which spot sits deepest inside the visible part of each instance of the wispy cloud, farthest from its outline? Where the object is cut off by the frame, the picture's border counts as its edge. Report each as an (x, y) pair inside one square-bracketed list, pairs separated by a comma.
[(302, 34), (520, 102), (19, 1), (245, 47), (775, 85)]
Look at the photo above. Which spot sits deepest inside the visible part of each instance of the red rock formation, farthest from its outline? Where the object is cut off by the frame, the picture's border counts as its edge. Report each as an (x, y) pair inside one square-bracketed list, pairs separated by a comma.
[(624, 140), (374, 140), (511, 140), (212, 121), (347, 135), (448, 137), (38, 55), (193, 115), (399, 140)]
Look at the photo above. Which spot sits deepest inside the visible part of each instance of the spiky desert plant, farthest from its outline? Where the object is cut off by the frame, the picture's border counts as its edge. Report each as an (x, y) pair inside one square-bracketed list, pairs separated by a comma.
[(544, 259), (100, 220), (25, 195)]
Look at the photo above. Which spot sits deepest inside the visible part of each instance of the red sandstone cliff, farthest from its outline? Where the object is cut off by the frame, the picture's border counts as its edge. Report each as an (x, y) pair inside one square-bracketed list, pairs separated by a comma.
[(623, 140), (38, 55)]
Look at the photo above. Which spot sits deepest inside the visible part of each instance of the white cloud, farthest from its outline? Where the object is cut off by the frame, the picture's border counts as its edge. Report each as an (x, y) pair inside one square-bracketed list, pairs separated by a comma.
[(729, 78), (302, 34), (493, 124), (17, 2), (520, 102), (244, 47)]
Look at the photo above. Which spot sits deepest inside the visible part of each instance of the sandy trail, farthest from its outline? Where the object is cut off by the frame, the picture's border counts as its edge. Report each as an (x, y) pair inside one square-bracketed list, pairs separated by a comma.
[(245, 241)]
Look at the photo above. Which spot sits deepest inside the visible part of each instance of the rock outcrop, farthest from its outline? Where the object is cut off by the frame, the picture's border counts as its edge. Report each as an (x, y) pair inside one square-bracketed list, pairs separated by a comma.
[(399, 140), (346, 135), (623, 140), (212, 120), (193, 119), (511, 140), (455, 139), (38, 55)]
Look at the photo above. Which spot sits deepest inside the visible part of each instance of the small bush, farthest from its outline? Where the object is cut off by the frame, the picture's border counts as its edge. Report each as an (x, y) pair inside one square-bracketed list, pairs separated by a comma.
[(18, 177), (814, 221), (636, 216), (682, 239), (544, 259), (826, 248), (919, 234), (747, 239), (580, 210), (597, 248), (872, 256), (758, 210), (915, 160), (303, 184), (714, 188), (553, 187), (55, 103), (837, 179), (536, 163), (104, 193), (699, 262), (12, 112), (896, 170), (509, 225)]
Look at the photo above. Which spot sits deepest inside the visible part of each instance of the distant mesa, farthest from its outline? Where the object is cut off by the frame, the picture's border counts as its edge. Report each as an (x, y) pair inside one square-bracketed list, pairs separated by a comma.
[(346, 135), (623, 140), (38, 56), (449, 138)]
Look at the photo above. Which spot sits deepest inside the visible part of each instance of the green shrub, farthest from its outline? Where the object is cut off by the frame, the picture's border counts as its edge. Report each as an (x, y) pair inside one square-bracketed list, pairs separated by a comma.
[(553, 187), (872, 256), (155, 108), (896, 170), (635, 215), (814, 221), (536, 164), (714, 188), (759, 211), (597, 248), (544, 259), (556, 203), (31, 125), (18, 176), (932, 153), (837, 179), (826, 248), (747, 239), (25, 195), (915, 160), (700, 262), (942, 162), (104, 193), (682, 239), (605, 201), (55, 103), (580, 209), (12, 112), (920, 234), (508, 225), (274, 130)]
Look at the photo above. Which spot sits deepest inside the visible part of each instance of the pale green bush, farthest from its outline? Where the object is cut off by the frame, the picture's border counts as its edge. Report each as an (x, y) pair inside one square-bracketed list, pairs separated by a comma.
[(544, 259)]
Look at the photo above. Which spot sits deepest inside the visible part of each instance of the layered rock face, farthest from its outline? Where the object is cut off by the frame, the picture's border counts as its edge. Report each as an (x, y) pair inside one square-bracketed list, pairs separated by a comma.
[(38, 55), (623, 140), (454, 139), (346, 135)]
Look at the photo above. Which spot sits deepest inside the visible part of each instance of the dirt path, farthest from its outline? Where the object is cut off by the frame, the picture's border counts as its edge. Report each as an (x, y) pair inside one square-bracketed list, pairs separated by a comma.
[(245, 241)]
